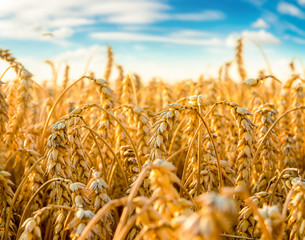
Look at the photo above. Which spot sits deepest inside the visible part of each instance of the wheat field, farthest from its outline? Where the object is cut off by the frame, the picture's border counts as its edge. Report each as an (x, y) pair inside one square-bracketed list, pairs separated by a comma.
[(211, 158)]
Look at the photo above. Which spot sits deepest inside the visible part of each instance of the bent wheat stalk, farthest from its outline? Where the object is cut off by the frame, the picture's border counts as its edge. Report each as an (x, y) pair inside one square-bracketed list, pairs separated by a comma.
[(55, 207), (112, 152), (193, 140), (261, 144), (53, 108), (132, 220), (8, 68), (106, 208), (132, 194), (24, 214), (126, 132), (214, 146), (17, 192), (277, 182)]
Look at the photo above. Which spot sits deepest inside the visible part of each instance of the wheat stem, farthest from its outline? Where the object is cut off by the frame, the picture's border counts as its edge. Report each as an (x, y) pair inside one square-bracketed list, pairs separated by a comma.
[(16, 195), (24, 214)]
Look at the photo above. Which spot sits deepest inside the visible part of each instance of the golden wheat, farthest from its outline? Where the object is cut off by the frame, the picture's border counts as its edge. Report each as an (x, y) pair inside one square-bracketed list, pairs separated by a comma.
[(198, 159)]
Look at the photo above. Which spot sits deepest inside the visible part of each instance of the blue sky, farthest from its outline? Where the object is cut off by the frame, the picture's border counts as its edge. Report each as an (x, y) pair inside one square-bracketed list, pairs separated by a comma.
[(173, 39)]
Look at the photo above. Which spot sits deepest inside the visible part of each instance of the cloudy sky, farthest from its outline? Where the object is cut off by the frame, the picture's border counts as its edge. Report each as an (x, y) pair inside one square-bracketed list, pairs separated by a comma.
[(173, 39)]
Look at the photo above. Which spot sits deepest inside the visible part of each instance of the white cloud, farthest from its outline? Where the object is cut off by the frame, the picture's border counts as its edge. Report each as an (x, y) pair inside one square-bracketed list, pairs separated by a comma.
[(290, 9), (70, 22), (299, 40), (29, 19), (295, 29), (22, 31), (138, 37), (63, 32), (189, 33), (149, 12), (301, 2), (261, 37), (20, 19), (80, 53), (232, 39), (207, 15), (130, 11), (117, 7), (138, 18), (256, 2), (295, 39), (260, 23), (282, 26)]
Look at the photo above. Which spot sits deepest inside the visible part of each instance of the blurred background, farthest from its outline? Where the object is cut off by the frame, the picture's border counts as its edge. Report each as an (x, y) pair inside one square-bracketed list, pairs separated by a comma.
[(172, 39)]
